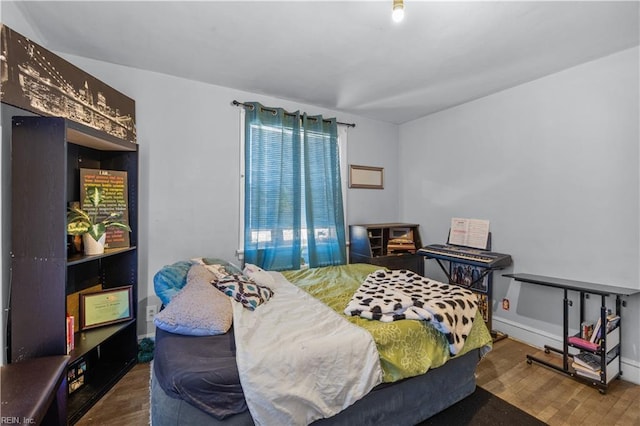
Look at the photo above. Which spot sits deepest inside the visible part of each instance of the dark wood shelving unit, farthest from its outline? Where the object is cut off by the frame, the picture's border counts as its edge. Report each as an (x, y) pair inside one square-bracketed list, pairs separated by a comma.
[(47, 154), (368, 243)]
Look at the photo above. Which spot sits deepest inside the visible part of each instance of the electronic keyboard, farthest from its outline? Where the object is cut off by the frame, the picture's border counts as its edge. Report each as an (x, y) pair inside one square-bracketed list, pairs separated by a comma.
[(467, 255)]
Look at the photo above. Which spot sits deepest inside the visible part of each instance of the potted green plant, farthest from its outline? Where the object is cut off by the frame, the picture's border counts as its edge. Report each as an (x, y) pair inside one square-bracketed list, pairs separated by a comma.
[(80, 222)]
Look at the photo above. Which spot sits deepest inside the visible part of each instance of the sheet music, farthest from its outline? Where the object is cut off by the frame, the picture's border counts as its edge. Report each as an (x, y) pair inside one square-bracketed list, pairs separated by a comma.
[(469, 232)]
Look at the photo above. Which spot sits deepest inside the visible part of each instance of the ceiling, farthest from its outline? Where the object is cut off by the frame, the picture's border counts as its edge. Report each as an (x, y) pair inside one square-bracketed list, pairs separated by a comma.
[(346, 56)]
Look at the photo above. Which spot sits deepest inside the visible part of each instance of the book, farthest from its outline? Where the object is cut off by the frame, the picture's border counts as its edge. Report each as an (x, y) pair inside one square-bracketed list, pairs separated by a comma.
[(587, 360), (587, 373), (469, 232), (582, 343), (582, 368), (70, 336), (612, 322), (596, 330), (586, 330)]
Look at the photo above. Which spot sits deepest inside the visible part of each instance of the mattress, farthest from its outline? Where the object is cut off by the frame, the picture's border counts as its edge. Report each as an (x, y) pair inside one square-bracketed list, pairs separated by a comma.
[(406, 402), (200, 370)]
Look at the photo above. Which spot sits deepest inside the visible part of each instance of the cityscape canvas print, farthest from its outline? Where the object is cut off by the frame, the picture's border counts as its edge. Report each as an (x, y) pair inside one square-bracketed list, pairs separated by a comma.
[(34, 79)]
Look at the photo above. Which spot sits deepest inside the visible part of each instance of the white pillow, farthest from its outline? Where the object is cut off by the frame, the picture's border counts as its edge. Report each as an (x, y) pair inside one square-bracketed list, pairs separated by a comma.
[(258, 274), (199, 309), (220, 268)]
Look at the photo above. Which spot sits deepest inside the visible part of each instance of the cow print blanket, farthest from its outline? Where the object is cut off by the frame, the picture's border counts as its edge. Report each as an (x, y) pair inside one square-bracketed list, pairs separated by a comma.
[(395, 295)]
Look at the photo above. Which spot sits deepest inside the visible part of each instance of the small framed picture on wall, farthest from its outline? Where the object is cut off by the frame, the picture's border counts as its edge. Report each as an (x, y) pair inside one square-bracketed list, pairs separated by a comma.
[(366, 177)]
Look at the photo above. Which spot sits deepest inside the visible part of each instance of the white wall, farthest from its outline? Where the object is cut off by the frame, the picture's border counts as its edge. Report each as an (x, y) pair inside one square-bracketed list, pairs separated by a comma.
[(554, 165)]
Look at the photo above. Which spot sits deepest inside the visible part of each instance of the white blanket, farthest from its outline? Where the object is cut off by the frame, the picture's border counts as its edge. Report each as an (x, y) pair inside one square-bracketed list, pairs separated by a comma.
[(299, 360)]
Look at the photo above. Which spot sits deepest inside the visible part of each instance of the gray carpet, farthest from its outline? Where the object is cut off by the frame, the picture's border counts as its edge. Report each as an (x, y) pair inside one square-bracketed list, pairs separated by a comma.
[(482, 409)]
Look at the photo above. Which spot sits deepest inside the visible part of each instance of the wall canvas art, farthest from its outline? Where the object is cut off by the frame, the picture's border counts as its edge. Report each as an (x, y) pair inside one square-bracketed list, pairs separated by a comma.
[(34, 79)]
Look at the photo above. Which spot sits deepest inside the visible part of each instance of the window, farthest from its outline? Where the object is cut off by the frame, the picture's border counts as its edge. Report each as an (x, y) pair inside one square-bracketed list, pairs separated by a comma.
[(293, 211)]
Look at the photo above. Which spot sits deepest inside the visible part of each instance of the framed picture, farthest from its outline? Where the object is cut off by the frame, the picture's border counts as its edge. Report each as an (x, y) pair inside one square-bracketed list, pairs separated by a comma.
[(29, 84), (105, 307), (75, 375), (366, 177), (73, 304)]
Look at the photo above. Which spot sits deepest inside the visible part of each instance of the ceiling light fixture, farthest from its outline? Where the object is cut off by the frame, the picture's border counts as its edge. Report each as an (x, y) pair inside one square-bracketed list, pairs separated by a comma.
[(398, 10)]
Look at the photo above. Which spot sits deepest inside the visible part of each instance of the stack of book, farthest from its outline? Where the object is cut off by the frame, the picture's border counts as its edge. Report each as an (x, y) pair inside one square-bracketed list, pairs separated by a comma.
[(587, 365)]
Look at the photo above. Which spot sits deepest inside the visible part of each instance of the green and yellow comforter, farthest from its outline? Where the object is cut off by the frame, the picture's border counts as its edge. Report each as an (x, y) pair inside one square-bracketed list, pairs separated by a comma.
[(408, 347)]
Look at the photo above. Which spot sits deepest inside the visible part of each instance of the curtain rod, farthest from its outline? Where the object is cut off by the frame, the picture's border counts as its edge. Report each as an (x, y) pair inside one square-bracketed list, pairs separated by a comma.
[(236, 103)]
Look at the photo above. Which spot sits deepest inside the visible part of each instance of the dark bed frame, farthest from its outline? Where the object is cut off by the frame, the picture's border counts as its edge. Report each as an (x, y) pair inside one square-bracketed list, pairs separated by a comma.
[(407, 402)]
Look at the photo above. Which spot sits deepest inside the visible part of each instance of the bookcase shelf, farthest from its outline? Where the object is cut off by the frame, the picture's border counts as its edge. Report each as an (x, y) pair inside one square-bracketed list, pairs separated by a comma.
[(609, 348), (47, 155), (88, 340), (76, 259), (368, 243)]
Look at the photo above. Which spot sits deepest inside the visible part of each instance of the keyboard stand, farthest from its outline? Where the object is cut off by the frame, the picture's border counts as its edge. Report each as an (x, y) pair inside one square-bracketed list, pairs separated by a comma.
[(485, 272), (484, 293)]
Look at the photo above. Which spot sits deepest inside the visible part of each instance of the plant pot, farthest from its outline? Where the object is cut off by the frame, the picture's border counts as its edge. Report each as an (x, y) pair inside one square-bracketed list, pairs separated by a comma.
[(92, 246)]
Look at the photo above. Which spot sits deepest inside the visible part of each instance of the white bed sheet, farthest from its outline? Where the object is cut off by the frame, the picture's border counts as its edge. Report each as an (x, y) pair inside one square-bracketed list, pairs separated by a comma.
[(299, 360)]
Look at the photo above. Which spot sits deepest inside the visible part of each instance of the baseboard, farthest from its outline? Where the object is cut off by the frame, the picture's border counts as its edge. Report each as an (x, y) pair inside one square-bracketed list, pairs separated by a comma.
[(149, 335), (539, 338)]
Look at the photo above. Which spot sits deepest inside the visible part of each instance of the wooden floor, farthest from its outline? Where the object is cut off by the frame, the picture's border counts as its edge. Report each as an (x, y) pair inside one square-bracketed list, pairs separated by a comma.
[(551, 396), (540, 391)]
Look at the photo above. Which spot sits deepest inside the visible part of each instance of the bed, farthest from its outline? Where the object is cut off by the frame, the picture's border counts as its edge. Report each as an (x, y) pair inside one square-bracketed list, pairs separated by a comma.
[(365, 371)]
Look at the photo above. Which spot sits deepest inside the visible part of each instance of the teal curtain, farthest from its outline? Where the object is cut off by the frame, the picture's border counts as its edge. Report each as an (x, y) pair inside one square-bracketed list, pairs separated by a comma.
[(293, 197)]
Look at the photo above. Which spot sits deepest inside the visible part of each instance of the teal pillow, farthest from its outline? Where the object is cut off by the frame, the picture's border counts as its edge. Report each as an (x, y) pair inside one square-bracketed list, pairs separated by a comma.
[(169, 280)]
